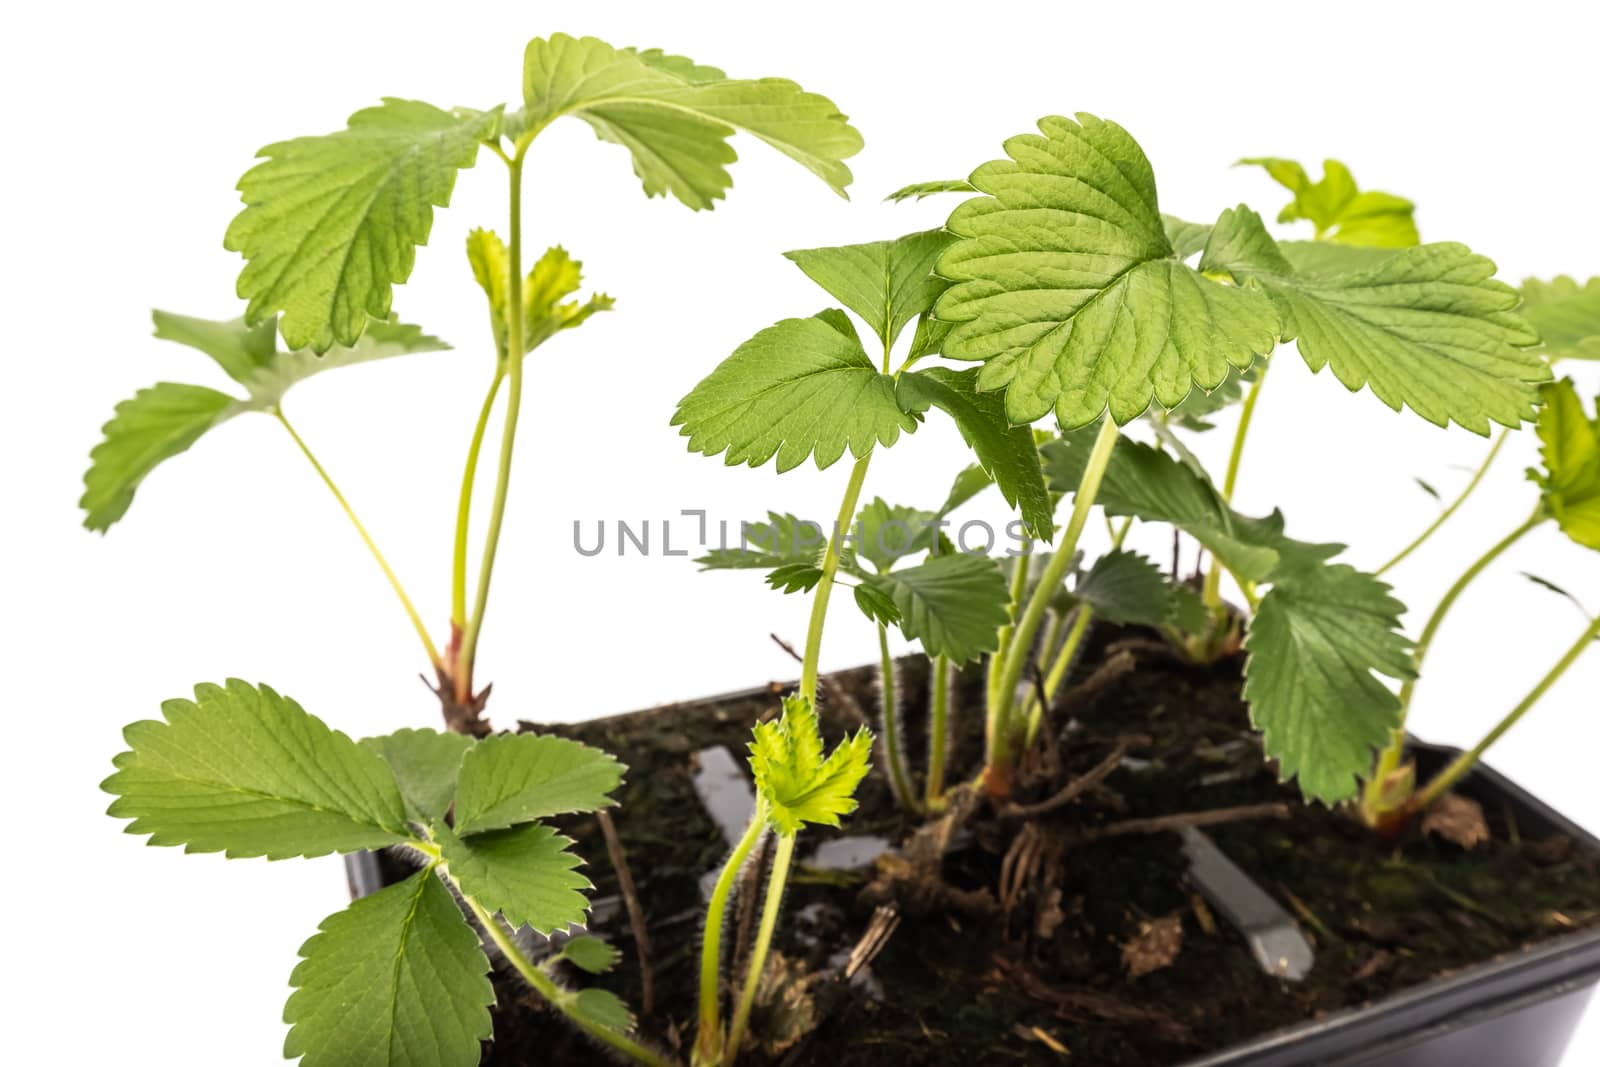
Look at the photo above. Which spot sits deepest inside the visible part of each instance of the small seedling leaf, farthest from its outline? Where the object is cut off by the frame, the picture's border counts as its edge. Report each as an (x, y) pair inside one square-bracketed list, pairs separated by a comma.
[(798, 785), (1337, 208)]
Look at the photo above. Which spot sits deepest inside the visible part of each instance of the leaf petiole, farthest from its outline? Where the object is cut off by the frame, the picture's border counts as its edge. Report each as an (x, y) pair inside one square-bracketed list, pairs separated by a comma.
[(708, 1044), (366, 538), (1212, 595), (830, 567), (469, 477), (1444, 516), (771, 906)]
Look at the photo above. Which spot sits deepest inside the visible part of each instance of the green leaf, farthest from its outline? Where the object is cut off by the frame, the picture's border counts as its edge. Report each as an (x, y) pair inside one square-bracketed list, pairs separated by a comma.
[(1155, 487), (1570, 448), (603, 1008), (240, 350), (590, 954), (954, 604), (675, 117), (1007, 452), (1125, 587), (887, 283), (1186, 238), (798, 785), (1566, 316), (1316, 645), (331, 224), (795, 577), (1198, 407), (244, 771), (969, 482), (525, 873), (397, 978), (1324, 258), (781, 540), (1067, 286), (164, 420), (886, 534), (1428, 328), (425, 764), (877, 605), (796, 389), (516, 778), (556, 275), (147, 429), (920, 190), (1338, 209)]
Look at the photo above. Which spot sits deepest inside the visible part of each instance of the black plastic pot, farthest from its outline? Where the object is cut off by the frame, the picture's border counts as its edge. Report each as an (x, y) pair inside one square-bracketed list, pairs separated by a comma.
[(1516, 1011)]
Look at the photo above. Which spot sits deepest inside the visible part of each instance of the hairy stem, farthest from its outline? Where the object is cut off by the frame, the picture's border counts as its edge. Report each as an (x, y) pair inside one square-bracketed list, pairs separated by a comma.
[(1212, 594), (366, 539), (1059, 667), (708, 1041), (1444, 516), (1001, 727), (938, 731), (1020, 566), (758, 955), (899, 777), (468, 652), (469, 479), (830, 567), (1464, 763), (1373, 801), (562, 1000)]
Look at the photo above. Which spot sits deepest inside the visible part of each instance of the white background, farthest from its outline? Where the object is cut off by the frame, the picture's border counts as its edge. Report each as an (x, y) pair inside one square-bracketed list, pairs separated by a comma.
[(127, 127)]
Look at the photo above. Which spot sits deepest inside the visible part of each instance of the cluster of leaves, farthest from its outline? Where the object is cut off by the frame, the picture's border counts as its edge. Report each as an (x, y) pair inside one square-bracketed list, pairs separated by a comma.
[(244, 771)]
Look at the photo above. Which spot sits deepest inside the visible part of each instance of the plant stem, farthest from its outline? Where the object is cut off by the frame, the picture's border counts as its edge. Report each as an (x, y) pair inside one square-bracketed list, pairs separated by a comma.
[(1020, 566), (1463, 763), (708, 1042), (469, 479), (1372, 801), (560, 999), (938, 732), (758, 955), (1000, 726), (1444, 516), (366, 538), (830, 567), (1212, 595), (899, 777), (468, 652)]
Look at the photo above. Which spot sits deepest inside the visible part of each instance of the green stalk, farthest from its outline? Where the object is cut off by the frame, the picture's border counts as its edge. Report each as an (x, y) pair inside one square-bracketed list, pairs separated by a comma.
[(1467, 760), (1019, 588), (366, 539), (708, 1042), (1444, 516), (758, 955), (469, 479), (899, 777), (830, 567), (938, 732), (1373, 804), (468, 652), (562, 1000), (1001, 727), (1212, 595)]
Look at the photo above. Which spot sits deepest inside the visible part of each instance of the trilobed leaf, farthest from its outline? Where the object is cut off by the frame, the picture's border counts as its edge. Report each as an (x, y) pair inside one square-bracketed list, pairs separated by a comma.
[(331, 223), (1069, 290), (396, 979), (242, 770), (675, 117), (799, 388)]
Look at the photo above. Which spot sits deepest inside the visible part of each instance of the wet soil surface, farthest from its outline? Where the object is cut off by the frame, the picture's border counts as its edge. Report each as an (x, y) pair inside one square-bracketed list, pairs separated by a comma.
[(1100, 950)]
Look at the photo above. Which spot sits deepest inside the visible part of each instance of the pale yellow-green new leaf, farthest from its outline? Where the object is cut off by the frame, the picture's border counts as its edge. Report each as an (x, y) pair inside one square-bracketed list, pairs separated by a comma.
[(675, 117), (796, 783), (556, 275), (1338, 209), (1570, 447), (1069, 290)]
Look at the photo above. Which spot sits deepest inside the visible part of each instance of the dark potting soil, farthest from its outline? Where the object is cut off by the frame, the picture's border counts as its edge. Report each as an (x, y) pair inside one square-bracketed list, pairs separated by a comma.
[(1058, 973)]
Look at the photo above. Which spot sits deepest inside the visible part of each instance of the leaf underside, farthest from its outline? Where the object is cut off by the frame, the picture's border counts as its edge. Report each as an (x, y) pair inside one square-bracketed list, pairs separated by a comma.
[(1570, 449), (1565, 314)]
